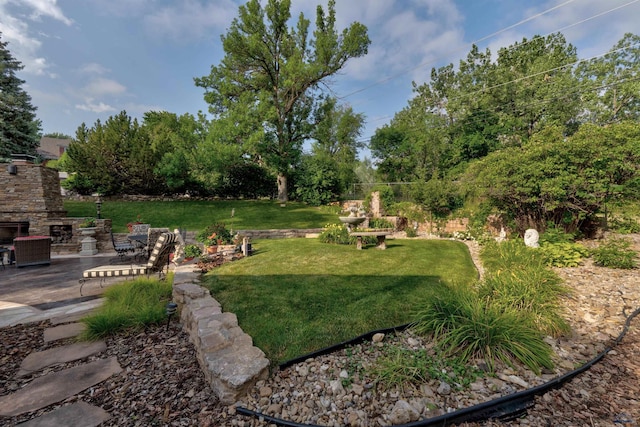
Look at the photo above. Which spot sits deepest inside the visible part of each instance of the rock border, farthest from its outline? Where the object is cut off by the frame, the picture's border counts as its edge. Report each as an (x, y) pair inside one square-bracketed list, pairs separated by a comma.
[(230, 362)]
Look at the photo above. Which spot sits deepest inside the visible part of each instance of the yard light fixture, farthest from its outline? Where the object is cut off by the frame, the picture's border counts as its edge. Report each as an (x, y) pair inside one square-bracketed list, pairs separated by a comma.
[(98, 205), (170, 309)]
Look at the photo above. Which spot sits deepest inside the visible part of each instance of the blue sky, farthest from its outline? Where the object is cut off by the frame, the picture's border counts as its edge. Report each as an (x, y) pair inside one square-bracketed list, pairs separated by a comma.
[(90, 59)]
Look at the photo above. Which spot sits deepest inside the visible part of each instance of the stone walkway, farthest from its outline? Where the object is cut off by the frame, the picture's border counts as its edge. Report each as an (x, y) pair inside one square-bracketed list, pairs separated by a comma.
[(54, 387)]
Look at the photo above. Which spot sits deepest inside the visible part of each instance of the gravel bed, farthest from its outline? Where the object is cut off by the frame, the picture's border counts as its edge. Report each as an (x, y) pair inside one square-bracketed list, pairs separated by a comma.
[(161, 382)]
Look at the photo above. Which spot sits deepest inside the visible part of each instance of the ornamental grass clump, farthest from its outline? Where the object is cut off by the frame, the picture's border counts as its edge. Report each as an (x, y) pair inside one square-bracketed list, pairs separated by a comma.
[(475, 328), (505, 316), (131, 304)]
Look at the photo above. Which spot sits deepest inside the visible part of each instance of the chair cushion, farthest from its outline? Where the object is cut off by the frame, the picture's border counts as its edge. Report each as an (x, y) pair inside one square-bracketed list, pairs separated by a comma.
[(158, 259), (160, 253), (114, 271)]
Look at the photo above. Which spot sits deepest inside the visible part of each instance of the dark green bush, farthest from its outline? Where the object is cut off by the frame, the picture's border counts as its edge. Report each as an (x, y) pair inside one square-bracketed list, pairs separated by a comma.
[(615, 253)]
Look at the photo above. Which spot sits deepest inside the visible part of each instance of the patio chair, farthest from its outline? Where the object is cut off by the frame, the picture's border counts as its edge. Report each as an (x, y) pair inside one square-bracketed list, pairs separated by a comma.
[(158, 260), (152, 236), (139, 237), (121, 246)]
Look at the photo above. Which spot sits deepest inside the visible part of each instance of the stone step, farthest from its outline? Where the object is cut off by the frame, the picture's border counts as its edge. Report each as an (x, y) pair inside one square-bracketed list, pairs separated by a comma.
[(57, 386), (53, 356), (79, 414), (61, 332)]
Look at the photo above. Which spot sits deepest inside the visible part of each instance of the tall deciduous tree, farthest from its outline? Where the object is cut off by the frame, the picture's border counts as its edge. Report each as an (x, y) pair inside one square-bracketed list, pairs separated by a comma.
[(612, 83), (270, 74), (336, 139), (19, 128)]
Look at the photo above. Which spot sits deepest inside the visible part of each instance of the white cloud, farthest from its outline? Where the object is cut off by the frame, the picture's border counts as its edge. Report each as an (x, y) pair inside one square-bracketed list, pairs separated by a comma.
[(91, 106), (191, 19), (23, 45), (47, 8), (94, 68), (101, 87), (407, 40)]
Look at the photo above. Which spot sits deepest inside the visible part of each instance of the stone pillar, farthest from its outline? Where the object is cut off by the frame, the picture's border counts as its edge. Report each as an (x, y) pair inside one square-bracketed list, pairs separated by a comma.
[(89, 242)]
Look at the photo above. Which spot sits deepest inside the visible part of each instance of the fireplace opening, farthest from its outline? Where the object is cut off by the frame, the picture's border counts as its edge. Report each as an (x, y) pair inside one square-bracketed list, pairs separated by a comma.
[(12, 229), (61, 233)]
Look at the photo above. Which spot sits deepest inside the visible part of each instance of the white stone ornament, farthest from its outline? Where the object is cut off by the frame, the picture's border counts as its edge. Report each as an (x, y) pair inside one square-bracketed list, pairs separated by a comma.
[(531, 237)]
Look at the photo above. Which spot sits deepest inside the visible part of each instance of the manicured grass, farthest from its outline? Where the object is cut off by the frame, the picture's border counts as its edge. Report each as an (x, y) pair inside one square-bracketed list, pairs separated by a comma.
[(196, 215), (294, 296)]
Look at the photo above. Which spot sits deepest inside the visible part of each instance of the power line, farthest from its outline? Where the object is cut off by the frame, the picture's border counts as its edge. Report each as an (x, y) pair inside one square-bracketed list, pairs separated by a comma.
[(421, 65)]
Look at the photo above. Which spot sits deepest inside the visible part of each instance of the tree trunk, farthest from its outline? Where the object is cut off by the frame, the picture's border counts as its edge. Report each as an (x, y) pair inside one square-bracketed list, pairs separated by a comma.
[(283, 196)]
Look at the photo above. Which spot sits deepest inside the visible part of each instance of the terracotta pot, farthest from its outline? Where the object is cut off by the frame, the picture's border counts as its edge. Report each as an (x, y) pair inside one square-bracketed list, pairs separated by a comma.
[(211, 249)]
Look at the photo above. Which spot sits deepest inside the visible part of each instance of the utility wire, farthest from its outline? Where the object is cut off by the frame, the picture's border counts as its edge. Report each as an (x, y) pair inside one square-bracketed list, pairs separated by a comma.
[(408, 70), (421, 65), (478, 120)]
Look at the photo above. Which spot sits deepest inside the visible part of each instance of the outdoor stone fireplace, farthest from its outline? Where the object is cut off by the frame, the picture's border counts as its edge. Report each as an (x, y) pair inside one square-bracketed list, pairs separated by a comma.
[(31, 204)]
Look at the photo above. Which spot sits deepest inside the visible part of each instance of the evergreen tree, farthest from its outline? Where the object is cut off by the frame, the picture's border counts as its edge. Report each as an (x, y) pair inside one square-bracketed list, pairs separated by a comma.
[(19, 128)]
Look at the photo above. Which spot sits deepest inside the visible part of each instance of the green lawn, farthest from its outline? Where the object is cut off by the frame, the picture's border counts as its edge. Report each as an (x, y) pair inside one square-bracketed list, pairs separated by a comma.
[(195, 215), (294, 296)]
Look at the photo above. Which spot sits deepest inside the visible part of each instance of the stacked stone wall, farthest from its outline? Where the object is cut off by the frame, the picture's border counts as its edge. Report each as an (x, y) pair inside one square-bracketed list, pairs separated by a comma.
[(226, 354)]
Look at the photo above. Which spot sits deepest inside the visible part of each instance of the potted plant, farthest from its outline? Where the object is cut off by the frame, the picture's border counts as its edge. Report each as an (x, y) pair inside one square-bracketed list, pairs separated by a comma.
[(88, 222), (213, 236), (191, 252), (137, 221), (88, 226)]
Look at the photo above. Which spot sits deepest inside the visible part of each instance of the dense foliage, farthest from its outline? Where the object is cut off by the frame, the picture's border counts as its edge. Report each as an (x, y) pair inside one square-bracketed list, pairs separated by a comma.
[(535, 134), (266, 87), (19, 128)]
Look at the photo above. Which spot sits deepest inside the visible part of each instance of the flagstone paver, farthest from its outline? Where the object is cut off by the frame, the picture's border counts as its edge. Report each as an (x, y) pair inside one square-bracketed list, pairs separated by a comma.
[(63, 331), (42, 359), (79, 414), (57, 386)]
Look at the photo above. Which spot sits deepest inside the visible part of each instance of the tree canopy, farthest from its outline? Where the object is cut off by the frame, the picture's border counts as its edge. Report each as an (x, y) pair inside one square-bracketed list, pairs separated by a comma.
[(267, 83), (19, 127)]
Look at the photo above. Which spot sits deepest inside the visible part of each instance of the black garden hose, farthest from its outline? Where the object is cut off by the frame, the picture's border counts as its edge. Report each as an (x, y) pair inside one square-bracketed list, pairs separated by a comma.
[(504, 408)]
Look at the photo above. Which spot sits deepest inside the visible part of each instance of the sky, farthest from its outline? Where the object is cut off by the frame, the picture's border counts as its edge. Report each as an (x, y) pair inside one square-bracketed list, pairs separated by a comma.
[(90, 59)]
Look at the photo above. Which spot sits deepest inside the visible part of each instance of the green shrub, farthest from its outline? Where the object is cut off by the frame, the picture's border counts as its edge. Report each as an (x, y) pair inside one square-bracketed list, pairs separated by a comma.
[(625, 225), (335, 233), (380, 223), (564, 254), (192, 251), (215, 234), (469, 327), (555, 234), (130, 304), (615, 253), (411, 232)]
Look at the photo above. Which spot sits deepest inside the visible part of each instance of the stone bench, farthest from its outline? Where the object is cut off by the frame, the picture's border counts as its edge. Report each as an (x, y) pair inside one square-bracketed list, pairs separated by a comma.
[(381, 236)]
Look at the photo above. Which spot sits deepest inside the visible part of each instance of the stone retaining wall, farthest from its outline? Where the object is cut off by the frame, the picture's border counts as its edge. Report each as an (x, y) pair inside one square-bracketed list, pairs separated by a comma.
[(227, 356), (278, 233)]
